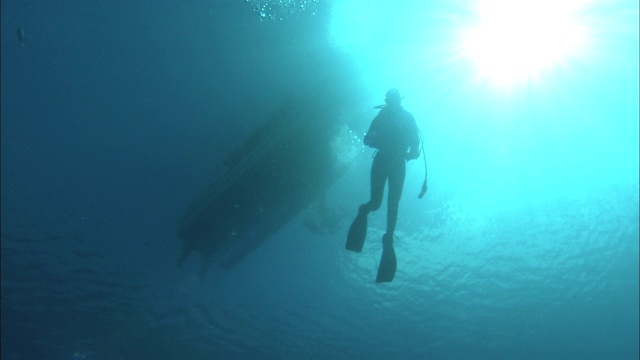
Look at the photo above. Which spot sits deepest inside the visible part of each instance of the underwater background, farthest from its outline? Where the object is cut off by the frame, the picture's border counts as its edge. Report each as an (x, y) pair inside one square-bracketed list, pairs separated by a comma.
[(117, 114)]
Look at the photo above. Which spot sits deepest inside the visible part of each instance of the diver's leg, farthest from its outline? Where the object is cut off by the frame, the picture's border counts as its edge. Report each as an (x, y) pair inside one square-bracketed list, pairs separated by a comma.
[(396, 182), (378, 179), (358, 230), (388, 261)]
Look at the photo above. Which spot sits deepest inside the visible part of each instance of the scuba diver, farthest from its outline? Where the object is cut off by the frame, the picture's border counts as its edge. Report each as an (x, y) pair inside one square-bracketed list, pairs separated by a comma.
[(394, 133)]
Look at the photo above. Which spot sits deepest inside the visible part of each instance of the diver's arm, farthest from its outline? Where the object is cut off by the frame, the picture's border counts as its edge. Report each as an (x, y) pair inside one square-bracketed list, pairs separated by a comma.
[(414, 141)]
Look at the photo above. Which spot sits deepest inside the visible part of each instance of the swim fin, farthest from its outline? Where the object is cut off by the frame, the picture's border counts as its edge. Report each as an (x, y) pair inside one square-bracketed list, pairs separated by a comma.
[(357, 232), (387, 267)]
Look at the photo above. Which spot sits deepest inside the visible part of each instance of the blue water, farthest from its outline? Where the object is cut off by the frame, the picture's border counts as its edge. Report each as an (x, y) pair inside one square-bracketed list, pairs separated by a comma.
[(117, 114)]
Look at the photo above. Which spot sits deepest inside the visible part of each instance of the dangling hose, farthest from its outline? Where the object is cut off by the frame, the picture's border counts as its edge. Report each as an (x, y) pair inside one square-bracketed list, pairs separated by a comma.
[(424, 157)]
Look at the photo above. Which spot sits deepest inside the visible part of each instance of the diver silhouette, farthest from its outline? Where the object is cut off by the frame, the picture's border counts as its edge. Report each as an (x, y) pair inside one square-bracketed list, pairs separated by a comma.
[(394, 133)]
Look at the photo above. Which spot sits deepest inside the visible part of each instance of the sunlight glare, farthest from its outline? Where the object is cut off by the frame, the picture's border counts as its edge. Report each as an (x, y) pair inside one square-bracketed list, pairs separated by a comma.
[(515, 40)]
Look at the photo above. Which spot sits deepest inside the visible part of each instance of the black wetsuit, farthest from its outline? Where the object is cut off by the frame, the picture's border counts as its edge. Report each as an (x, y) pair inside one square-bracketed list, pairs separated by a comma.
[(395, 134)]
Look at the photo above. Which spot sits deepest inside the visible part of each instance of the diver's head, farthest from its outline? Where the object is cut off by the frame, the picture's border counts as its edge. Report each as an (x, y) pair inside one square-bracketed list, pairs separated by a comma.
[(393, 98)]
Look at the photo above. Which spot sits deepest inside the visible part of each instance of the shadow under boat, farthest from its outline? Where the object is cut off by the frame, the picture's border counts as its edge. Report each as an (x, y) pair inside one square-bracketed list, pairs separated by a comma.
[(276, 173)]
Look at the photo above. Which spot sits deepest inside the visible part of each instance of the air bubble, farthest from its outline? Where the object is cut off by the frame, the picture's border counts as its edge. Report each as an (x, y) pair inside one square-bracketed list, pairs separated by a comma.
[(282, 9)]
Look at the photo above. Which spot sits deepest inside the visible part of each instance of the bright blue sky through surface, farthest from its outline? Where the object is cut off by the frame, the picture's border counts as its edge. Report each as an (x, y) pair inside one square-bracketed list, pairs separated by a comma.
[(545, 97)]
